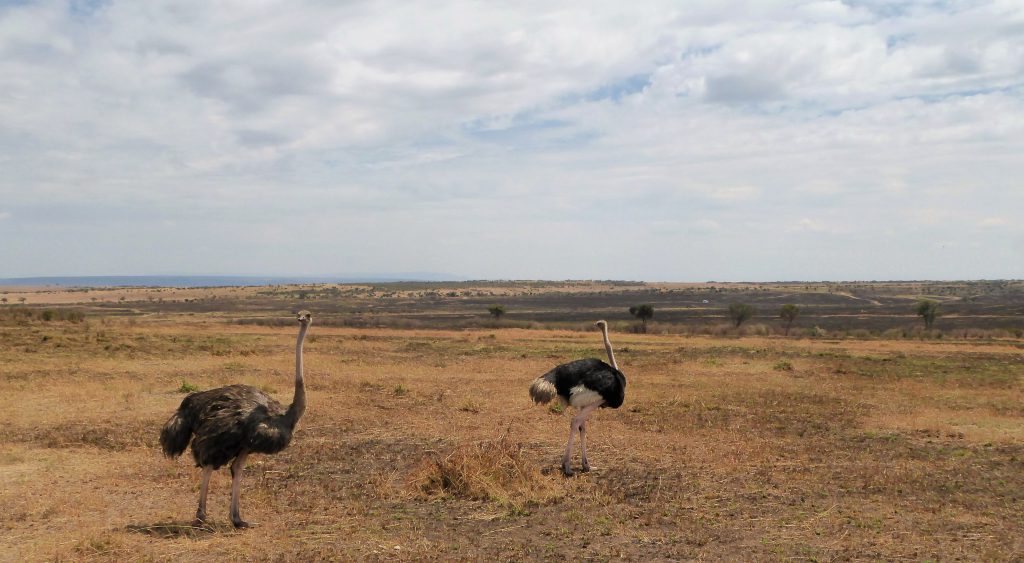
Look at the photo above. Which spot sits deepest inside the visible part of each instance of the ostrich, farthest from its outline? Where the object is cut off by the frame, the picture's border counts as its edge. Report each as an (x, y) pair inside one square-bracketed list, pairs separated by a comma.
[(231, 422), (586, 385)]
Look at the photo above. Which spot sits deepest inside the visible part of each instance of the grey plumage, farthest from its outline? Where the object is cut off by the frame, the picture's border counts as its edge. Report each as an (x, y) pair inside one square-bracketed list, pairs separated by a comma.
[(224, 422), (227, 424)]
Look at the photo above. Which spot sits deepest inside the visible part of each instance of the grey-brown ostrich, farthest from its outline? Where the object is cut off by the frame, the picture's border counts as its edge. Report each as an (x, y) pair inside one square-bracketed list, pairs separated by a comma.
[(586, 385), (229, 423)]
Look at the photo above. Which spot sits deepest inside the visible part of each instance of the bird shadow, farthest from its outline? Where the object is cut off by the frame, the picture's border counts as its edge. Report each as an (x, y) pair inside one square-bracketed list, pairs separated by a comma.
[(171, 530)]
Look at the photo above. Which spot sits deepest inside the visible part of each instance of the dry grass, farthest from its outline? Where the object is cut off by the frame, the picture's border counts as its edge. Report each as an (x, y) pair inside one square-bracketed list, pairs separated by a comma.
[(501, 470), (424, 445)]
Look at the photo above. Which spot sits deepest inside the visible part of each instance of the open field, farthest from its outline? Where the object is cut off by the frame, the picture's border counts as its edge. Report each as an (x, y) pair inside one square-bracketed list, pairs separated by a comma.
[(972, 308), (726, 448)]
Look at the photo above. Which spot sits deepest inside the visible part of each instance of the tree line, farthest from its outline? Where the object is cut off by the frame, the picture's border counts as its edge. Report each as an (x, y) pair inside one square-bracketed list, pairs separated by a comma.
[(739, 313)]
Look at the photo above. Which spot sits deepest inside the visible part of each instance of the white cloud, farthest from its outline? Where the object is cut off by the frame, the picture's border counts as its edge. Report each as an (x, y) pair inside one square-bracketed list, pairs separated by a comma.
[(808, 225), (706, 226), (387, 125), (993, 222), (932, 215), (734, 193)]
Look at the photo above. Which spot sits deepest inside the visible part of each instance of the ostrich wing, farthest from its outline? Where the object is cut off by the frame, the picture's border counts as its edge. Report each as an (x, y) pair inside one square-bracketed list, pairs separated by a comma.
[(227, 421), (593, 374)]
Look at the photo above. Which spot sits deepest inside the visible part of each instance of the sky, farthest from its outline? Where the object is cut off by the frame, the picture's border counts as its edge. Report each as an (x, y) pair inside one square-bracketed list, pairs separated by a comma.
[(659, 141)]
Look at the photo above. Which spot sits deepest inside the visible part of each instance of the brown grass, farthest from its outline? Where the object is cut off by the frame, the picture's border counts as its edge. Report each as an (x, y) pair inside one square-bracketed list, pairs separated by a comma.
[(501, 470), (858, 449)]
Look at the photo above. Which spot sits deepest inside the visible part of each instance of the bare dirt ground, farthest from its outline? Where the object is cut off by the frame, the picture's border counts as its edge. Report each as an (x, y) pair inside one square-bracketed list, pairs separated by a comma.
[(423, 444)]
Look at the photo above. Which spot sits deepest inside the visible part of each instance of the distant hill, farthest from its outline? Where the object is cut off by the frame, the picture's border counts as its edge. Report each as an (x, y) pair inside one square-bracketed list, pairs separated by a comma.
[(217, 281)]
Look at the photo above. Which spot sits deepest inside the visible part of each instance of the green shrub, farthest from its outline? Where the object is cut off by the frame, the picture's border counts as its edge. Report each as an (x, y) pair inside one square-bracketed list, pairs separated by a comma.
[(740, 312), (642, 312)]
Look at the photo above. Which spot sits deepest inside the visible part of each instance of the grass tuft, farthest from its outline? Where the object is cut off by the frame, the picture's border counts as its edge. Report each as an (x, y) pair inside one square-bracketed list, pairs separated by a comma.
[(499, 470), (470, 405)]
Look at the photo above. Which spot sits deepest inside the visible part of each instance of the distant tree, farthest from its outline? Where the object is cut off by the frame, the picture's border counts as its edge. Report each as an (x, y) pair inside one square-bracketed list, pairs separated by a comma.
[(642, 312), (496, 311), (3, 300), (789, 313), (22, 300), (927, 310), (740, 313)]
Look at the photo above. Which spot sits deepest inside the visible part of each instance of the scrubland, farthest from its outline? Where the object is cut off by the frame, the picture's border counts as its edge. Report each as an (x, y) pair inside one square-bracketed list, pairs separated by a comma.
[(423, 444)]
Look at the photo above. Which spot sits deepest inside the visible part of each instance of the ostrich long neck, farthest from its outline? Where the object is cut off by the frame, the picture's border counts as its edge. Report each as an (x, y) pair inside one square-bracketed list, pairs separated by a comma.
[(608, 346), (298, 405)]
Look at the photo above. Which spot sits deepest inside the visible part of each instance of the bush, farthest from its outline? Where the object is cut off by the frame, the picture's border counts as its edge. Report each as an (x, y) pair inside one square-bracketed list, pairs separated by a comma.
[(789, 313), (740, 313), (928, 310), (22, 315), (817, 332), (755, 330), (642, 312)]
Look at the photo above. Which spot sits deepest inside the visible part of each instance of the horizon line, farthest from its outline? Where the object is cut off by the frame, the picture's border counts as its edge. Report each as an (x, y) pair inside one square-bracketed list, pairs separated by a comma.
[(400, 277)]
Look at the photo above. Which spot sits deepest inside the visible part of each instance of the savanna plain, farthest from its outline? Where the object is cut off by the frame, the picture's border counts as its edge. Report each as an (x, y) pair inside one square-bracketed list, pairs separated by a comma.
[(858, 436)]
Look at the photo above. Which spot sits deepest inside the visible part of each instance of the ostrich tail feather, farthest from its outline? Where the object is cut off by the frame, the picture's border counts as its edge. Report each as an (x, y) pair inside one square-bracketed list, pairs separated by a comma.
[(175, 435), (542, 390)]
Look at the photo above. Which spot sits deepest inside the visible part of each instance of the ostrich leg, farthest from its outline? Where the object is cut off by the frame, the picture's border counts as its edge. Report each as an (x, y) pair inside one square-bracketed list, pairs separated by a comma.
[(583, 447), (574, 426), (567, 456), (236, 485), (204, 487)]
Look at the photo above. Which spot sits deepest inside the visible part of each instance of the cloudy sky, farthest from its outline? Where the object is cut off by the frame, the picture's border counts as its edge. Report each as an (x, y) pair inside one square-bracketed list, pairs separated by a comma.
[(724, 140)]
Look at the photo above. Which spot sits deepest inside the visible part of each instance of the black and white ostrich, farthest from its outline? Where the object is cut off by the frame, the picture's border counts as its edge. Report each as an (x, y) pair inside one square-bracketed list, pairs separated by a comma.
[(586, 385), (229, 423)]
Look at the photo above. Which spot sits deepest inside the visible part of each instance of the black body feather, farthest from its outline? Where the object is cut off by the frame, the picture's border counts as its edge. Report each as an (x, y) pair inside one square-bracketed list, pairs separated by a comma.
[(593, 374), (225, 421)]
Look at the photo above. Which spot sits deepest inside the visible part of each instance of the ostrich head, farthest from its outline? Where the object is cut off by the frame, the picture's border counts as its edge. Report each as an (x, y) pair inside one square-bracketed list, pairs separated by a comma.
[(305, 317), (601, 325)]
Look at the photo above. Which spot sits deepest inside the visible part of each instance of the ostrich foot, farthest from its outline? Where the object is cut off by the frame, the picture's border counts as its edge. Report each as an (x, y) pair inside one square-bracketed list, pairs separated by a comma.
[(239, 523), (200, 521), (567, 470), (585, 468)]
